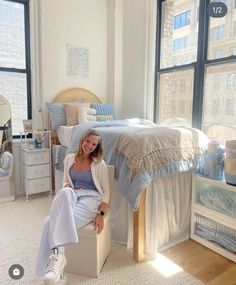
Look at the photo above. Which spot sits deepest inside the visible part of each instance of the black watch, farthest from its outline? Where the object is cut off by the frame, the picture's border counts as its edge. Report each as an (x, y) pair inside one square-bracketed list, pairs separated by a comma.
[(101, 213)]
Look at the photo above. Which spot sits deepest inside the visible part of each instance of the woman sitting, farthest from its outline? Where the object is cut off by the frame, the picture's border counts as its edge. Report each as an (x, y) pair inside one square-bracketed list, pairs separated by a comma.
[(83, 199)]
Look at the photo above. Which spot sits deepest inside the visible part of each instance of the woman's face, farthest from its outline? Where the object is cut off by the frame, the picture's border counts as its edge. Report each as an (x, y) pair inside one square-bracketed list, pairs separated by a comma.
[(89, 144)]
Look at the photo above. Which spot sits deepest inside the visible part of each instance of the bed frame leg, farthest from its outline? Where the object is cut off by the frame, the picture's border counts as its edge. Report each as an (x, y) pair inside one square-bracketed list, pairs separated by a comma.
[(139, 230)]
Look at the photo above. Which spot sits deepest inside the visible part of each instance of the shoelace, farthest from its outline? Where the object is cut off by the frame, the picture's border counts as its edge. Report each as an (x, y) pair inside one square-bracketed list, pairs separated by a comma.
[(52, 266)]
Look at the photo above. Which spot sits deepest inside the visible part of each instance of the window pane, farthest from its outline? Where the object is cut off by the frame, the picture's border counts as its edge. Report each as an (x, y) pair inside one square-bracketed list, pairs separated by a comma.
[(13, 87), (219, 109), (179, 32), (12, 37), (222, 33), (175, 98)]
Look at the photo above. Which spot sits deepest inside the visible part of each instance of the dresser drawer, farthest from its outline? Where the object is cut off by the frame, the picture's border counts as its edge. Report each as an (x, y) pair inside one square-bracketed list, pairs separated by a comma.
[(37, 171), (37, 185), (36, 157)]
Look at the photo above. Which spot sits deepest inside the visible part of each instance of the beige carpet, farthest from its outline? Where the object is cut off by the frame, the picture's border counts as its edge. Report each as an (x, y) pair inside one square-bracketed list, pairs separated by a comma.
[(20, 230)]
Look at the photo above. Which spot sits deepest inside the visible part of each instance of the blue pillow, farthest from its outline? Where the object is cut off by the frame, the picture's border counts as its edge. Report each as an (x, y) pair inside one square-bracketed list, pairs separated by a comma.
[(57, 114), (104, 109)]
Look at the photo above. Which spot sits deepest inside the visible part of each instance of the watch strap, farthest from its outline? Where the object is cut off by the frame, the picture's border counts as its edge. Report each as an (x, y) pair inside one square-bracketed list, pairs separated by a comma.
[(101, 213)]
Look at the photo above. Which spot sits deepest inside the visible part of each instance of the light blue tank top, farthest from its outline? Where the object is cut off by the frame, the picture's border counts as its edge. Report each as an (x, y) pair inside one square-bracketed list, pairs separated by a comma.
[(82, 179)]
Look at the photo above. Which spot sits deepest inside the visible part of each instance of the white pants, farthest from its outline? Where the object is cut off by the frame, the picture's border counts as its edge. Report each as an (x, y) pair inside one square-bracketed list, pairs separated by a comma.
[(70, 210)]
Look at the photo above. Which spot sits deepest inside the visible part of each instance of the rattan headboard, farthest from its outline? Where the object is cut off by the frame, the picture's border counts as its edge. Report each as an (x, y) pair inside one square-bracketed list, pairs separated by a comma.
[(70, 95), (73, 94)]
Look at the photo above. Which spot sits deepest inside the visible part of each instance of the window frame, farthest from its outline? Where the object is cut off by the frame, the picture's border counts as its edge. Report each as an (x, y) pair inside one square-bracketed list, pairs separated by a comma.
[(202, 62), (27, 69)]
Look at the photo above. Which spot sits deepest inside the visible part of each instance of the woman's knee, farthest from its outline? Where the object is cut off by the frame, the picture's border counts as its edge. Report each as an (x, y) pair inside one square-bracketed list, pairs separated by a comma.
[(66, 192)]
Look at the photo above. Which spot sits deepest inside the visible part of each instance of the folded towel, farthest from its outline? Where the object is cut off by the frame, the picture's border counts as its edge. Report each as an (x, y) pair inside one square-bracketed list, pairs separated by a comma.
[(91, 111), (86, 114)]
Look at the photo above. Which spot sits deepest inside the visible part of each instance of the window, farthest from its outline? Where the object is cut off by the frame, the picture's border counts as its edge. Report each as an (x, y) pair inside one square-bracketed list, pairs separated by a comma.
[(182, 20), (231, 81), (176, 43), (216, 83), (184, 60), (175, 90), (215, 107), (233, 50), (180, 43), (207, 74), (229, 107), (217, 33), (218, 54), (14, 60)]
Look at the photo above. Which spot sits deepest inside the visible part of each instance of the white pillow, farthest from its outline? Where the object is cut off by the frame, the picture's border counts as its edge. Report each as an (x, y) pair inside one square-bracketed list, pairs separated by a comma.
[(86, 114), (64, 135)]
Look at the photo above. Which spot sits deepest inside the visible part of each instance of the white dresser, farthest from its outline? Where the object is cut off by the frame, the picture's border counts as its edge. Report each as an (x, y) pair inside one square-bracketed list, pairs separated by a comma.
[(213, 221), (36, 163)]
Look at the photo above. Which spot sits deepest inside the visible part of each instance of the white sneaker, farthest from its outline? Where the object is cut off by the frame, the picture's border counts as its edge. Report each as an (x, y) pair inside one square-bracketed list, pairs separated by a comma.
[(56, 264)]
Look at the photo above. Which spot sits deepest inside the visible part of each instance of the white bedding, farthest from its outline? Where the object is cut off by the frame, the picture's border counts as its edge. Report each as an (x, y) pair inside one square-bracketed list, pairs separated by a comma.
[(64, 135)]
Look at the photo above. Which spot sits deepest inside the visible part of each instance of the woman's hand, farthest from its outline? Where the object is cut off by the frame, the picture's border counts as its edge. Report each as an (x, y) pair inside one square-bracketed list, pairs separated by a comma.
[(103, 207), (98, 223)]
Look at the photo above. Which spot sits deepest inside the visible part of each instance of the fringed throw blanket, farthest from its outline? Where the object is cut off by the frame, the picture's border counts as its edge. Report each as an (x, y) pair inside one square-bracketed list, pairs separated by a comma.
[(149, 149), (142, 151)]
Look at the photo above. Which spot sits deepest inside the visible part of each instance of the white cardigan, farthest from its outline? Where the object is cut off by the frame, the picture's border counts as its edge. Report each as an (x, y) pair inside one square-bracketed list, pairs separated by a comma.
[(99, 173)]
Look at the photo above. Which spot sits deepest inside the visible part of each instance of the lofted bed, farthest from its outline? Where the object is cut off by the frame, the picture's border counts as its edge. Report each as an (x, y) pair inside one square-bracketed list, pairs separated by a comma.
[(151, 201)]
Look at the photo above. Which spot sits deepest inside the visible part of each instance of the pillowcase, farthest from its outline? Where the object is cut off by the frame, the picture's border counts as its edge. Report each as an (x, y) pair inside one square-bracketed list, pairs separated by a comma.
[(86, 114), (104, 109), (71, 111), (100, 118), (57, 114)]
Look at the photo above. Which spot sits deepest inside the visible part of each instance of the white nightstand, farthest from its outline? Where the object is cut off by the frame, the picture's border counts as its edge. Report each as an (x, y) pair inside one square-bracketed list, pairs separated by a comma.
[(36, 163), (213, 220)]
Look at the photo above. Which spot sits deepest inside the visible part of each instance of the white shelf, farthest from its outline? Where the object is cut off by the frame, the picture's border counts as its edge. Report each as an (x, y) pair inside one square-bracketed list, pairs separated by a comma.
[(218, 183), (219, 218)]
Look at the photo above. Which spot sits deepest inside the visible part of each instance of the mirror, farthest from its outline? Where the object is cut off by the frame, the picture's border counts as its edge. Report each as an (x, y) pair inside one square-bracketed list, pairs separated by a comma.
[(5, 126)]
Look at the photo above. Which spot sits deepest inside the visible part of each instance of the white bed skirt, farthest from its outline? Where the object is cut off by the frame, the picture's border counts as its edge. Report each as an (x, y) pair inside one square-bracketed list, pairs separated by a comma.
[(168, 204)]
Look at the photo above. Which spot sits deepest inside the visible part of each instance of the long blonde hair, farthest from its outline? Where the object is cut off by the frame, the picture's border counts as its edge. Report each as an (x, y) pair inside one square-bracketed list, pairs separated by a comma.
[(97, 153)]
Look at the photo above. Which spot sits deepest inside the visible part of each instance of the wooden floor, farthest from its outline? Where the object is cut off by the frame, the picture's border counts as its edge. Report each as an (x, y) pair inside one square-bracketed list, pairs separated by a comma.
[(203, 263)]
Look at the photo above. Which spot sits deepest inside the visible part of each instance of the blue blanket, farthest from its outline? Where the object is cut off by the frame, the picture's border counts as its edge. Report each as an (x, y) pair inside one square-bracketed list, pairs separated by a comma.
[(110, 132)]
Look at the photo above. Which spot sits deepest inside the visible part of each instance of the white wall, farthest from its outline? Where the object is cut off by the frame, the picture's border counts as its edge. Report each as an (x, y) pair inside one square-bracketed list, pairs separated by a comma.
[(138, 57), (120, 36), (78, 23), (131, 38)]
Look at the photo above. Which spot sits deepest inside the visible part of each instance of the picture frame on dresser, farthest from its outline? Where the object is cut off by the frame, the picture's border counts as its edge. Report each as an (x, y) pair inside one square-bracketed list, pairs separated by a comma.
[(36, 163), (28, 125)]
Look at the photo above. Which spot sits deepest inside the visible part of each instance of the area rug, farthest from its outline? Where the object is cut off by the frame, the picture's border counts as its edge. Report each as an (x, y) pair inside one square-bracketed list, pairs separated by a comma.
[(20, 230)]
